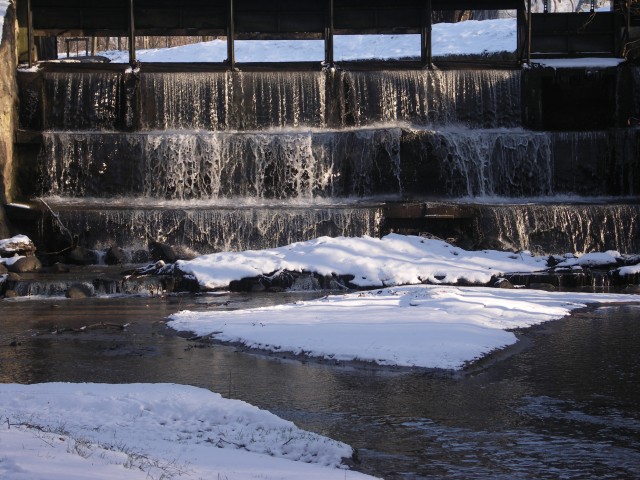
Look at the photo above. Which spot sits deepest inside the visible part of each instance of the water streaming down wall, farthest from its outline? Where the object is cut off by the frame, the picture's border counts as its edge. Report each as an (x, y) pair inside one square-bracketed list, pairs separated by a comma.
[(474, 98), (575, 228), (204, 229), (235, 101), (263, 100), (303, 135), (210, 165), (495, 163), (95, 101)]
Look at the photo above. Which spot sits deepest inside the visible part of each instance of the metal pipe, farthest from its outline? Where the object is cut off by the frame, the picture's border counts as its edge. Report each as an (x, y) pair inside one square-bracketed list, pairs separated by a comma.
[(132, 34), (529, 18), (328, 35), (231, 53), (30, 33), (426, 31)]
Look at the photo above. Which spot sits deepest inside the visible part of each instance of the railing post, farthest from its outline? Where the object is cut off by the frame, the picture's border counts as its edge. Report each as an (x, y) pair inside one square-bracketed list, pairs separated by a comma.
[(231, 53), (30, 33), (529, 19), (132, 34), (328, 35), (425, 37)]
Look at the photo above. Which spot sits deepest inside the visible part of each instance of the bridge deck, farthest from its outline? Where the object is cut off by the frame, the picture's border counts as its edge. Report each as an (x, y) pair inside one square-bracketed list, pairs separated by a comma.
[(318, 19)]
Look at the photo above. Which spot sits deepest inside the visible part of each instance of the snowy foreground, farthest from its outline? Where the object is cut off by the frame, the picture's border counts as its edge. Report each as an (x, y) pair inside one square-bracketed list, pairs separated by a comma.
[(147, 431)]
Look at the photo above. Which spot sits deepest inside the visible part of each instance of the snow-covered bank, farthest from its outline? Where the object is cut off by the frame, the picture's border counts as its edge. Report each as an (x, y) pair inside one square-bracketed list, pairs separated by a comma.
[(374, 262), (422, 326), (463, 38), (65, 431)]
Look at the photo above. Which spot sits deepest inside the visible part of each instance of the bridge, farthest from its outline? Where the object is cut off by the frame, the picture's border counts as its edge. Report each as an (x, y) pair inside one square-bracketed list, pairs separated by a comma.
[(541, 34)]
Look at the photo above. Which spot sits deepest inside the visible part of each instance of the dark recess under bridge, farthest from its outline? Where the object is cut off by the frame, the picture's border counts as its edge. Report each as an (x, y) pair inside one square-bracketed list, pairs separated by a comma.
[(565, 34)]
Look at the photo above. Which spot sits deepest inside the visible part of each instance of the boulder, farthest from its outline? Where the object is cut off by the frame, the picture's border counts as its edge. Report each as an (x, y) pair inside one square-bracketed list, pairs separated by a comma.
[(162, 251), (81, 256), (115, 256), (25, 264), (58, 268), (140, 256), (3, 269), (80, 290), (19, 244), (503, 283)]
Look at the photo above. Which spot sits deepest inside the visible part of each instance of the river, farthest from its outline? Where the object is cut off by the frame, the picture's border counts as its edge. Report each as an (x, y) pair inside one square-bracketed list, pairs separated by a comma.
[(562, 403)]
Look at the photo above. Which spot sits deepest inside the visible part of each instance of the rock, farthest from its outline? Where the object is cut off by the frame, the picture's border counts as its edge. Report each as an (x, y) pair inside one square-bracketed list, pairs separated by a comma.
[(80, 290), (140, 256), (632, 289), (19, 244), (10, 294), (59, 268), (82, 256), (542, 286), (3, 269), (162, 251), (25, 264), (115, 256), (503, 283)]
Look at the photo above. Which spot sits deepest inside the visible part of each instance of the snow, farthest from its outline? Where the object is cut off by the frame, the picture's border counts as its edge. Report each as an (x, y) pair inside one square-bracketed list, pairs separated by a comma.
[(578, 62), (375, 262), (62, 431), (629, 270), (10, 260), (14, 243), (470, 37), (593, 259), (413, 326), (4, 4)]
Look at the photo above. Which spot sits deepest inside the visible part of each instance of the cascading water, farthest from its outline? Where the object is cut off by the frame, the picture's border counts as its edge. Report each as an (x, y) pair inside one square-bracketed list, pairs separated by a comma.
[(212, 165), (474, 98), (489, 162), (83, 102), (220, 146), (195, 227), (576, 228)]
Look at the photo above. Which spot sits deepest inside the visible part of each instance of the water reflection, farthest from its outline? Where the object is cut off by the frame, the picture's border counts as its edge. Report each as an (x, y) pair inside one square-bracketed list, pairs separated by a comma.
[(564, 406)]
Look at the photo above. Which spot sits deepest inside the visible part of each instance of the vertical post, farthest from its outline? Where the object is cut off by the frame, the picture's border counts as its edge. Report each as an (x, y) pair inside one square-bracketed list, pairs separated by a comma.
[(132, 34), (529, 18), (425, 34), (231, 32), (30, 33), (328, 35)]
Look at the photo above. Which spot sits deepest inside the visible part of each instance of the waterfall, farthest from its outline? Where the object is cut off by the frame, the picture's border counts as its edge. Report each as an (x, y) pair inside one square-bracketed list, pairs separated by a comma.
[(208, 228), (173, 101), (92, 101), (237, 101), (295, 164), (474, 98), (575, 228), (200, 156), (479, 163)]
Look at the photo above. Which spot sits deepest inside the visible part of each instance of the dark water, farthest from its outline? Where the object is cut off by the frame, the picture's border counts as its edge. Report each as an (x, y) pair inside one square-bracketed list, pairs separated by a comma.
[(565, 403)]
